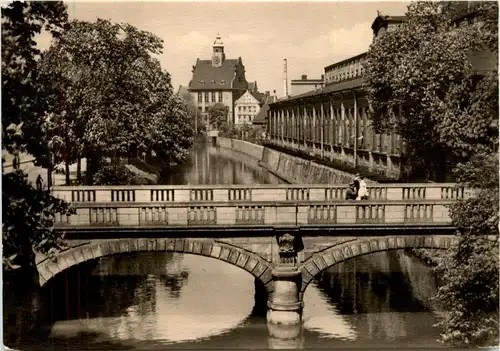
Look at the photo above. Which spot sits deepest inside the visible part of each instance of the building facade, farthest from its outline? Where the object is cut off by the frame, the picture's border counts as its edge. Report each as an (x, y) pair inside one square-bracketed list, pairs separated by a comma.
[(247, 107), (331, 123), (218, 80), (304, 85)]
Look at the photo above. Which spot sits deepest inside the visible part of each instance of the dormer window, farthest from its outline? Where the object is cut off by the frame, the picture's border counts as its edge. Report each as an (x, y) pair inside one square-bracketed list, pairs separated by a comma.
[(222, 82), (202, 82), (212, 81)]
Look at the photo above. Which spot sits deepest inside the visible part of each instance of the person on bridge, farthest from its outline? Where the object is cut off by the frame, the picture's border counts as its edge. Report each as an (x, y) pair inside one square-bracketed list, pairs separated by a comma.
[(363, 191), (39, 183), (351, 193)]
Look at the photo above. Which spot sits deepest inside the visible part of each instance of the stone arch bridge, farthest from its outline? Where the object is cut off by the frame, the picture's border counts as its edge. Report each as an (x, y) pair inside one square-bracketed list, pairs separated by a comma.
[(256, 255), (283, 235)]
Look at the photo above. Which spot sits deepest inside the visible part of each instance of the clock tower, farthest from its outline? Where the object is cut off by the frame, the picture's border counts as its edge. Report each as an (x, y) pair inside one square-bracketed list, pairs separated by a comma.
[(218, 55)]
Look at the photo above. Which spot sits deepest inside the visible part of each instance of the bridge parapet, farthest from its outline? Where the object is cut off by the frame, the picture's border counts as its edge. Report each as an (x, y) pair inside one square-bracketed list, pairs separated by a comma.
[(159, 194), (292, 214)]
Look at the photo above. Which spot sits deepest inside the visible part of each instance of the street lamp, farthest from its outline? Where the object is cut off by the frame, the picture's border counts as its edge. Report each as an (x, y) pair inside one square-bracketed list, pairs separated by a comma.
[(49, 147)]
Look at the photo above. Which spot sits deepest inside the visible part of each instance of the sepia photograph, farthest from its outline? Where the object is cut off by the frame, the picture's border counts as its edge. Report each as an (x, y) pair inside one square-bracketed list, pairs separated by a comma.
[(250, 175)]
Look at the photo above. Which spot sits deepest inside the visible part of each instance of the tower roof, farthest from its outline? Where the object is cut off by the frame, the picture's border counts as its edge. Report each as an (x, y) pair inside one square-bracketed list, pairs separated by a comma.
[(218, 41)]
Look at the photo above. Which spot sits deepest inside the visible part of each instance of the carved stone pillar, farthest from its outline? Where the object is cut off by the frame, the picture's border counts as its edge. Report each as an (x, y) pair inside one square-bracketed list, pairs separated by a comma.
[(284, 315)]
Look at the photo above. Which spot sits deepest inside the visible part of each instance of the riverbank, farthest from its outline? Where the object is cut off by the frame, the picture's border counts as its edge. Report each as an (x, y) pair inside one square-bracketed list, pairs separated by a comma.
[(294, 170), (430, 257), (27, 166)]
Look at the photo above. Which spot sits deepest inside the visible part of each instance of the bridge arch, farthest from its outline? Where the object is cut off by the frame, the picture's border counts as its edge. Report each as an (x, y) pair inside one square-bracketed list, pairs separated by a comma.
[(337, 253), (239, 257)]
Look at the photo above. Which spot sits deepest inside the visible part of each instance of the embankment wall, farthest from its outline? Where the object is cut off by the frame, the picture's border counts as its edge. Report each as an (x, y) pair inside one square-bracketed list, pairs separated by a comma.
[(293, 169)]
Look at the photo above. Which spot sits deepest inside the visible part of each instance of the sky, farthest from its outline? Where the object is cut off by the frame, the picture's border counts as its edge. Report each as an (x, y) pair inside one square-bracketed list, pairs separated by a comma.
[(310, 35)]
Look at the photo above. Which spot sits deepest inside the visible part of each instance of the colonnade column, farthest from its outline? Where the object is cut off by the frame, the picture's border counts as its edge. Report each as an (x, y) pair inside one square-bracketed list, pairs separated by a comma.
[(333, 121), (271, 125), (322, 130), (284, 315), (355, 129), (313, 129), (282, 127), (304, 121), (276, 121), (288, 127), (343, 125)]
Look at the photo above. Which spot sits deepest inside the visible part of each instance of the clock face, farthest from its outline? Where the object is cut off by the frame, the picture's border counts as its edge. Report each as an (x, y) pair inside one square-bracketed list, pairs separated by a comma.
[(217, 59)]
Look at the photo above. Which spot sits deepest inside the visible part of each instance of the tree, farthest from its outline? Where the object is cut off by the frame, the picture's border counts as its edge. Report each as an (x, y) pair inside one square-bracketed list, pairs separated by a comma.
[(28, 221), (118, 100), (421, 82), (197, 122), (27, 213), (22, 106), (470, 269), (217, 116)]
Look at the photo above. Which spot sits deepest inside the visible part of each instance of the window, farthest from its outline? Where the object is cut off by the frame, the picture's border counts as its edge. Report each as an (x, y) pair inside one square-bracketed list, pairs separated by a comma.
[(222, 82), (206, 97), (212, 81), (220, 96), (200, 97), (213, 96), (239, 108)]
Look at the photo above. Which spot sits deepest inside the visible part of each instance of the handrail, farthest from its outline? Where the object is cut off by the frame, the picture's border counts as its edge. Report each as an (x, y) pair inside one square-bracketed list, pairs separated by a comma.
[(242, 203), (247, 186)]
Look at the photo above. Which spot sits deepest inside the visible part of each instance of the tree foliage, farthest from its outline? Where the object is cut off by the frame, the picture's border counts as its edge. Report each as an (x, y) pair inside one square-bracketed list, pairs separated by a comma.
[(117, 174), (117, 99), (23, 114), (217, 116), (420, 80), (470, 269), (28, 214), (28, 220)]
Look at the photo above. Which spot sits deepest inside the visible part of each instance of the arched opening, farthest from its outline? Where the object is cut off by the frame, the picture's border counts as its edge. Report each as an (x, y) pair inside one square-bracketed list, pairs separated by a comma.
[(181, 297), (246, 260), (380, 295)]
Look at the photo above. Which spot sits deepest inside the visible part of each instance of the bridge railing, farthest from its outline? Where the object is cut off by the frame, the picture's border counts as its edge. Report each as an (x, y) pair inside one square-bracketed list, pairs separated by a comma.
[(257, 213), (254, 193)]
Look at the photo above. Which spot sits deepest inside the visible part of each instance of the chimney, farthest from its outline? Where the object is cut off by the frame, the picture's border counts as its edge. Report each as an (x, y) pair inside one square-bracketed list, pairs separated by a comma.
[(285, 77), (304, 77)]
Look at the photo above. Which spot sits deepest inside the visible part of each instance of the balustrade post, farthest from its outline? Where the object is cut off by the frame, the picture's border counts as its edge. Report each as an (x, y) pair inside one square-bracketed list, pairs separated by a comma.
[(284, 315)]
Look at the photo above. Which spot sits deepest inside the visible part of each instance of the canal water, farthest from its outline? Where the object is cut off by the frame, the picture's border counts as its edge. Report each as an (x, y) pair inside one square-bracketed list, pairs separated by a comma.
[(178, 301)]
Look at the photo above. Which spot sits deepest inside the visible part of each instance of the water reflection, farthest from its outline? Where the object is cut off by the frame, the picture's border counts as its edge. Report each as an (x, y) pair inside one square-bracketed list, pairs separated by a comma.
[(372, 300), (368, 301), (211, 297), (213, 165)]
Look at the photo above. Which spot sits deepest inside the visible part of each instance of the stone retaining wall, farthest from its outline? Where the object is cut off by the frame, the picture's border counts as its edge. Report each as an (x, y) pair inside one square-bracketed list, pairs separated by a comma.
[(291, 168), (245, 147)]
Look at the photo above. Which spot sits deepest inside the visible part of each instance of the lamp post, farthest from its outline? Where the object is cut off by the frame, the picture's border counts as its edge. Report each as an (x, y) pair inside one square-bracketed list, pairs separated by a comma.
[(51, 156)]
